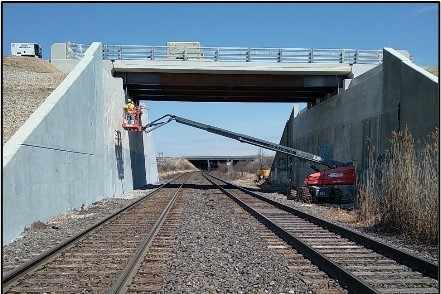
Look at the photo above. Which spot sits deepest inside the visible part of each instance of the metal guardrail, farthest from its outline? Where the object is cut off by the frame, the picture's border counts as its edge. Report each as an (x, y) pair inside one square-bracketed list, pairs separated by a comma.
[(228, 54), (76, 51)]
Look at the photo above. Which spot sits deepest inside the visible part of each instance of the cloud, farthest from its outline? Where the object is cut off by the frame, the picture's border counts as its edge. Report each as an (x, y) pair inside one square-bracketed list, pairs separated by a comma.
[(425, 9)]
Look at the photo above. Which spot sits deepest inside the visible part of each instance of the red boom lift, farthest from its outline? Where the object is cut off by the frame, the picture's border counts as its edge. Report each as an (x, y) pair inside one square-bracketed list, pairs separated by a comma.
[(321, 185)]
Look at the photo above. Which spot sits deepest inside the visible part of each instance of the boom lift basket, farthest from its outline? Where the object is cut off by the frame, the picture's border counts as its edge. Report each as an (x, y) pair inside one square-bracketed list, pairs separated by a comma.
[(135, 124)]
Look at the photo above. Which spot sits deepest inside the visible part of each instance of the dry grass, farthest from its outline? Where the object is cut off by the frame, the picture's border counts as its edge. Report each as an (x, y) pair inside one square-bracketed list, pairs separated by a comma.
[(401, 192), (168, 167), (341, 215), (244, 169), (368, 190)]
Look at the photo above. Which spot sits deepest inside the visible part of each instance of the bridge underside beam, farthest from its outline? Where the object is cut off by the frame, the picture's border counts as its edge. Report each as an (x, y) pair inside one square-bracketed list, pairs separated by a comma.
[(228, 87)]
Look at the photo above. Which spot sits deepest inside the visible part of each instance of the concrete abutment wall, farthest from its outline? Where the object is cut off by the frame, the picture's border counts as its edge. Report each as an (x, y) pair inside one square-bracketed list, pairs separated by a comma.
[(387, 98), (72, 151)]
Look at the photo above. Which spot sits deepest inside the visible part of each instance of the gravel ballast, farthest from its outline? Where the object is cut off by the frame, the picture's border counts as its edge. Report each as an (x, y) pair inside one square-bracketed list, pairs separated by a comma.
[(346, 218), (41, 236), (219, 251), (203, 259)]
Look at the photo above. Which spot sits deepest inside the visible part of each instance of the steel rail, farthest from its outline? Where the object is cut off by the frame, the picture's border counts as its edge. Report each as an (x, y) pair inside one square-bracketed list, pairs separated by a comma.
[(347, 279), (417, 263), (46, 256), (121, 283)]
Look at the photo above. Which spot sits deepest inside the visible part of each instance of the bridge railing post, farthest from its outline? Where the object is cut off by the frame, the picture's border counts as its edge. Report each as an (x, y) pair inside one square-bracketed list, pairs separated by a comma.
[(380, 56), (105, 52), (279, 55), (216, 54)]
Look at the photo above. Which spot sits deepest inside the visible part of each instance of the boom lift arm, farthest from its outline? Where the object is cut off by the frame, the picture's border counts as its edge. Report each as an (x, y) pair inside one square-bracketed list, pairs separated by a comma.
[(321, 184), (245, 139)]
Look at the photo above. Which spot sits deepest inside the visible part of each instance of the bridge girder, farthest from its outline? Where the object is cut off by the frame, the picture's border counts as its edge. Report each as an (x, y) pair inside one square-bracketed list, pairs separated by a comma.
[(218, 87)]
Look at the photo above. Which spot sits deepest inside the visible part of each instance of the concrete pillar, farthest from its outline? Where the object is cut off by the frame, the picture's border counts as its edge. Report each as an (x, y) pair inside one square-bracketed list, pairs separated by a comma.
[(59, 51)]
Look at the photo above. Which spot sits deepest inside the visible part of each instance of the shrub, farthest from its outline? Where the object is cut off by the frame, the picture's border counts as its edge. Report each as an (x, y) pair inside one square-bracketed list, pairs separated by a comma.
[(368, 190), (401, 192), (174, 165), (235, 172)]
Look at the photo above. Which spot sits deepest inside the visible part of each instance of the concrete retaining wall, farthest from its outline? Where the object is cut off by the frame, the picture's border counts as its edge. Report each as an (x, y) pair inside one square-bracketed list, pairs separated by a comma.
[(131, 159), (72, 150), (386, 98), (415, 91)]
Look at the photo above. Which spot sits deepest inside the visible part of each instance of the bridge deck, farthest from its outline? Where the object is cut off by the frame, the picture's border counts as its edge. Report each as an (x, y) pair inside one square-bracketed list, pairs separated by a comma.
[(232, 67), (229, 81)]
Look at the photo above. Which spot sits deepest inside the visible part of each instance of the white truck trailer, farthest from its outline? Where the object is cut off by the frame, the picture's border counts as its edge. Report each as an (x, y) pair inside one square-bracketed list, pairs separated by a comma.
[(26, 49), (184, 50)]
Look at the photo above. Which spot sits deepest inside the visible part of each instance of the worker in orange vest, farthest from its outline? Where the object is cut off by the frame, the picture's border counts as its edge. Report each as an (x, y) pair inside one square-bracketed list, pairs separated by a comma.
[(130, 109)]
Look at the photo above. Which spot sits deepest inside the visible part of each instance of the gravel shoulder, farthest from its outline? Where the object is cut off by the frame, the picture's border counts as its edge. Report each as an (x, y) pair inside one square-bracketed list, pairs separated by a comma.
[(27, 82)]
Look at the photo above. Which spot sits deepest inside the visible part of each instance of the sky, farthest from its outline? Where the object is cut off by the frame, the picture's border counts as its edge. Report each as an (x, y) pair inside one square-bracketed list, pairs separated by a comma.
[(405, 25)]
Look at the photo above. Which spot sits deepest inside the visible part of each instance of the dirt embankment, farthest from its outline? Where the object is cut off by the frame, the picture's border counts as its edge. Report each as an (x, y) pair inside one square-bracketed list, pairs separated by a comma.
[(27, 82), (432, 70)]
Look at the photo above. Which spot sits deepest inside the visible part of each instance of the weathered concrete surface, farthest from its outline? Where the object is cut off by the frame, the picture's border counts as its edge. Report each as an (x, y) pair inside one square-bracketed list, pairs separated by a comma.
[(72, 150), (415, 91), (131, 155), (386, 98), (231, 67)]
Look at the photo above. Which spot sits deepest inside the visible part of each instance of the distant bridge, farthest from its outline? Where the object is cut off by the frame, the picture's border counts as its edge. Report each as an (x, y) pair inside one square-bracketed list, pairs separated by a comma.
[(212, 162)]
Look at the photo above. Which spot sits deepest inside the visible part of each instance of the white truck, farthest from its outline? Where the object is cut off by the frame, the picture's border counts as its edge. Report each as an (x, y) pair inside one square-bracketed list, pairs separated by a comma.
[(26, 49)]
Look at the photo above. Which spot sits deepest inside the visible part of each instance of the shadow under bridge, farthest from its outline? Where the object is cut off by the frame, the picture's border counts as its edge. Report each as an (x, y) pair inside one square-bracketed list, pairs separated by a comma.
[(230, 82)]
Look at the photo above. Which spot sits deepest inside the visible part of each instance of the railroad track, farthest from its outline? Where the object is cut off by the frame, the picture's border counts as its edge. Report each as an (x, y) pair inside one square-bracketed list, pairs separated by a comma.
[(148, 273), (131, 251), (148, 267), (359, 263), (93, 260)]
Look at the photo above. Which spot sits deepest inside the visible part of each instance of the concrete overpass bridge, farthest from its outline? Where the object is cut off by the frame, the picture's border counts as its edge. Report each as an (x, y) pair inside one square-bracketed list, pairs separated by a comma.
[(237, 74), (184, 71)]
